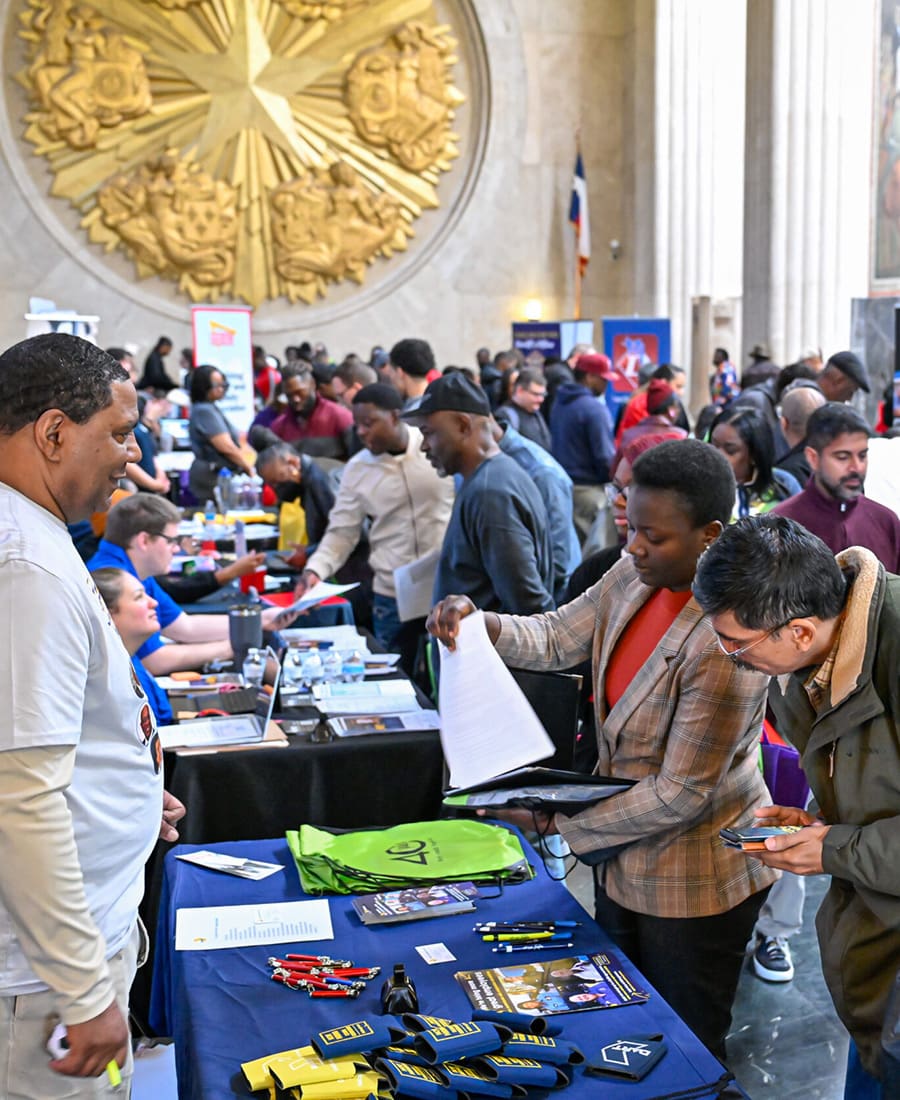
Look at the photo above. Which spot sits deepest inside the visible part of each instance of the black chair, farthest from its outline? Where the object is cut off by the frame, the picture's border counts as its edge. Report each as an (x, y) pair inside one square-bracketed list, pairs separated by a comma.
[(555, 698)]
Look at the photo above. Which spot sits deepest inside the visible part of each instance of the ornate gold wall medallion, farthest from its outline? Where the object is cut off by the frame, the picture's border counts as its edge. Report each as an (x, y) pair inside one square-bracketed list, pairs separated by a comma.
[(247, 149)]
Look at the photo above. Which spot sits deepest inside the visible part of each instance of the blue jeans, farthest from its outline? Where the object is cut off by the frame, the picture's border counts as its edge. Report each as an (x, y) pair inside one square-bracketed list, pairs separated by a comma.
[(395, 636), (860, 1085), (386, 621)]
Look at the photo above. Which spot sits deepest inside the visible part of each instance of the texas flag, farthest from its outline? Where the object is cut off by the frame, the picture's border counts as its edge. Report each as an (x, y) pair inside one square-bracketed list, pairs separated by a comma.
[(578, 216)]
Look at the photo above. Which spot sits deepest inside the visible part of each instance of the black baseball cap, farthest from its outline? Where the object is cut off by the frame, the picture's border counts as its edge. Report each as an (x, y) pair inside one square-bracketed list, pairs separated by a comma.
[(851, 365), (451, 393)]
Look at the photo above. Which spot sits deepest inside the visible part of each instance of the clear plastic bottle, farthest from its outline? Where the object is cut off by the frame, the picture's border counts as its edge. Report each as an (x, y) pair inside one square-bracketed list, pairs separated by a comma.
[(254, 667), (292, 671), (354, 668), (223, 489), (208, 544), (313, 670), (333, 666), (256, 488)]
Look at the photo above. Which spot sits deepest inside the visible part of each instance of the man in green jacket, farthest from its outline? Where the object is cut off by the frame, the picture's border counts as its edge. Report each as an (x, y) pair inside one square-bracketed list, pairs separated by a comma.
[(828, 629)]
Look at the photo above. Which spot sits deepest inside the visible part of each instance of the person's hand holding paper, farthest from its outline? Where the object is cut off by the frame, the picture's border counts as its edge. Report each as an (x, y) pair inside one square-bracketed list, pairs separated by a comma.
[(446, 616), (487, 724)]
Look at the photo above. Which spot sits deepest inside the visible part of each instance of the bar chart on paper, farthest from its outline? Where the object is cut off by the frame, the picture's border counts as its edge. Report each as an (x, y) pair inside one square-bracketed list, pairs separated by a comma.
[(213, 928)]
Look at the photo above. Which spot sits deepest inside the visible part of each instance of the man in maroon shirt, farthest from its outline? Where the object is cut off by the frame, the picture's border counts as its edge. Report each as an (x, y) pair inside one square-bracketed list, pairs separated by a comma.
[(832, 505), (313, 424)]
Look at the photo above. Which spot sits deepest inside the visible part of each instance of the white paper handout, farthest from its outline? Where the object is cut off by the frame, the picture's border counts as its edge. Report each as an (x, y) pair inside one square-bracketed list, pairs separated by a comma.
[(216, 927), (414, 584), (487, 724), (384, 697), (254, 869), (321, 591)]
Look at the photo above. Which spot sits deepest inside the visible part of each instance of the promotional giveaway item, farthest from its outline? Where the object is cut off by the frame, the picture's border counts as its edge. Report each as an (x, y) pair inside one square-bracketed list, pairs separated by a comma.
[(416, 903), (630, 1058), (420, 853), (571, 984), (418, 1056)]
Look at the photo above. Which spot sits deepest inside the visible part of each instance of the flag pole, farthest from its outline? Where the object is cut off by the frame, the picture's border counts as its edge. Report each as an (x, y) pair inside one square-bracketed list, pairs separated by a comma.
[(578, 273)]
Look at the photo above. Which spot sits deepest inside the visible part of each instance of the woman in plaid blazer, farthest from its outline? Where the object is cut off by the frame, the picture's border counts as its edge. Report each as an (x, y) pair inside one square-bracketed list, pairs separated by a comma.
[(685, 726)]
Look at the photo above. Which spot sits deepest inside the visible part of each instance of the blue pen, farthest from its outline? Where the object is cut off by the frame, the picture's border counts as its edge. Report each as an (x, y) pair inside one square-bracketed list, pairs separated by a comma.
[(511, 948)]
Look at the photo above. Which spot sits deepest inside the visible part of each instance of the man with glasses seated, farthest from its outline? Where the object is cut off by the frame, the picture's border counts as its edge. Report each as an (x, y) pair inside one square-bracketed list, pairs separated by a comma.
[(828, 631), (141, 537)]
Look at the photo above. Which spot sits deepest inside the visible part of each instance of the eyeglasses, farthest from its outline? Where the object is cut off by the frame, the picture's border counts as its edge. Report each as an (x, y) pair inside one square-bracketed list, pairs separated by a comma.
[(614, 492), (172, 540), (219, 385), (736, 654)]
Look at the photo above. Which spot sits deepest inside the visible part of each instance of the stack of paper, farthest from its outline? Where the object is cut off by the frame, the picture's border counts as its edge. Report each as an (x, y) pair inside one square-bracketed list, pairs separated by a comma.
[(384, 697)]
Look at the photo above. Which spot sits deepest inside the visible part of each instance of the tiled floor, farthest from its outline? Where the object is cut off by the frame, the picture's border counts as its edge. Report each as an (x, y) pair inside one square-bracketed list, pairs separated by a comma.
[(154, 1074), (786, 1040)]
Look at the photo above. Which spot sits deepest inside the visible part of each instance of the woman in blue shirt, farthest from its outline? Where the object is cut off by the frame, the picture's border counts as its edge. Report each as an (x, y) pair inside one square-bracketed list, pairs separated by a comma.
[(134, 614)]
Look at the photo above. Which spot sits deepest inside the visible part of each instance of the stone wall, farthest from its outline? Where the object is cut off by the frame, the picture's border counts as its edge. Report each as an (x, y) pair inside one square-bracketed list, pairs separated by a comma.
[(551, 68)]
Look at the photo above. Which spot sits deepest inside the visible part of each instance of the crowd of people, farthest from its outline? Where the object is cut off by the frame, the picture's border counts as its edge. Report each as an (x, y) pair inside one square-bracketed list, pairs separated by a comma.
[(709, 571)]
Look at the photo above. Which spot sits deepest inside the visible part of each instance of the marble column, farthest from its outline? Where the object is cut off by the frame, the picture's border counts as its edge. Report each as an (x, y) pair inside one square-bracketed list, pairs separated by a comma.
[(808, 147), (688, 222)]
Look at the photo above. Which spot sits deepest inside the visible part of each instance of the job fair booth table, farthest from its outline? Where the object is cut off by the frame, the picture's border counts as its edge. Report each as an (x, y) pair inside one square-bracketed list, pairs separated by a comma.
[(223, 1009)]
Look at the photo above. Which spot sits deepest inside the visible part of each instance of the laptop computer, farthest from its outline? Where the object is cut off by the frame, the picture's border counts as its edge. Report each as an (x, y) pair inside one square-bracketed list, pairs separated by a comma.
[(225, 729), (177, 428)]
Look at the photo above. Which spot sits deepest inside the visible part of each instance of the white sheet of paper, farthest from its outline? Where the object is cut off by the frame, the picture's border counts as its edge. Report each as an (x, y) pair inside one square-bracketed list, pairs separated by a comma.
[(321, 591), (436, 953), (487, 724), (385, 697), (414, 585), (217, 927), (232, 865)]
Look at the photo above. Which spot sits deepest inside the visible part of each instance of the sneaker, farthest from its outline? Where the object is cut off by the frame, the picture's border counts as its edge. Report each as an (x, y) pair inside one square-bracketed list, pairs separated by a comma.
[(772, 959)]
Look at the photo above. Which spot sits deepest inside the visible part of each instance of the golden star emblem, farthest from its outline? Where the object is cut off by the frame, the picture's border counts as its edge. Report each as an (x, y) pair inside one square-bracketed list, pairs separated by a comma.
[(247, 86)]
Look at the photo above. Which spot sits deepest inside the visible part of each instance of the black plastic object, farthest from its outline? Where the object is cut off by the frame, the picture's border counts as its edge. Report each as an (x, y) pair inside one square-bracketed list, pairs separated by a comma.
[(398, 994)]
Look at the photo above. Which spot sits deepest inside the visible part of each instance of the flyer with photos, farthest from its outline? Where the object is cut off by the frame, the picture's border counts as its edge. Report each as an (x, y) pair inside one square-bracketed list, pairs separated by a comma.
[(572, 984)]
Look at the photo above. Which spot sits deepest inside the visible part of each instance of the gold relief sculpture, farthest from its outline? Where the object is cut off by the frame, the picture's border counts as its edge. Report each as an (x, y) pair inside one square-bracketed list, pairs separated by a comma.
[(331, 10), (329, 226), (400, 96), (243, 148), (175, 220), (84, 76)]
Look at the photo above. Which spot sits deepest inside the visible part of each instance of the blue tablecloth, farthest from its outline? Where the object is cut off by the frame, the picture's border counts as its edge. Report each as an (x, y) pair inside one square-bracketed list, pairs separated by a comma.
[(222, 1008)]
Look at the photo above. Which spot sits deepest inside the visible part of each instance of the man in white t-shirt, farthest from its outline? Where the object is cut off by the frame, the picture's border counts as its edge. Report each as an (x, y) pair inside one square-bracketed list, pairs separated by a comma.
[(80, 762)]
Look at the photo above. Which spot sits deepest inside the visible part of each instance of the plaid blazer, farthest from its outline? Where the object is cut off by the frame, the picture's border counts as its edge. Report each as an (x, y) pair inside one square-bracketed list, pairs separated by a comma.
[(687, 729)]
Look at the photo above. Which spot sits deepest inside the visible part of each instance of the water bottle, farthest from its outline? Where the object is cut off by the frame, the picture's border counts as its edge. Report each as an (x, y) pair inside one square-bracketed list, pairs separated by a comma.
[(312, 668), (256, 488), (209, 528), (354, 668), (292, 671), (240, 539), (333, 666), (223, 490), (254, 668)]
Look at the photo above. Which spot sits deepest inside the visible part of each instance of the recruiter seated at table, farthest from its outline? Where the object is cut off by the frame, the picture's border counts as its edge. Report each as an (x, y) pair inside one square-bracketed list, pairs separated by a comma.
[(133, 612), (141, 537), (672, 713)]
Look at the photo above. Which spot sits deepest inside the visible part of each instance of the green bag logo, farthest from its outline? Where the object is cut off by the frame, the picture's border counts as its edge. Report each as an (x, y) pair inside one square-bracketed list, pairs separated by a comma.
[(409, 851)]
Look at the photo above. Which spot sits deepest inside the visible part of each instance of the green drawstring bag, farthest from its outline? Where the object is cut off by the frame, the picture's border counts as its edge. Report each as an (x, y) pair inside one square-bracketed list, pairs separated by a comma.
[(419, 853)]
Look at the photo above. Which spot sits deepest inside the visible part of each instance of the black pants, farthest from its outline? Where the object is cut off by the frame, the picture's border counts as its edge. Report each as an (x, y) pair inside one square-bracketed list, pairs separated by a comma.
[(694, 962)]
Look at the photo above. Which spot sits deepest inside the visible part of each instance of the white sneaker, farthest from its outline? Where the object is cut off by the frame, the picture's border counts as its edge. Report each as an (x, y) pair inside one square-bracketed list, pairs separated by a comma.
[(772, 959)]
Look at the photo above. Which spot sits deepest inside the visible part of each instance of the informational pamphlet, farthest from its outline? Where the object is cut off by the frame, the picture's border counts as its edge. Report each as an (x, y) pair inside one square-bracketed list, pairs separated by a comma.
[(216, 927), (416, 903), (571, 984)]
